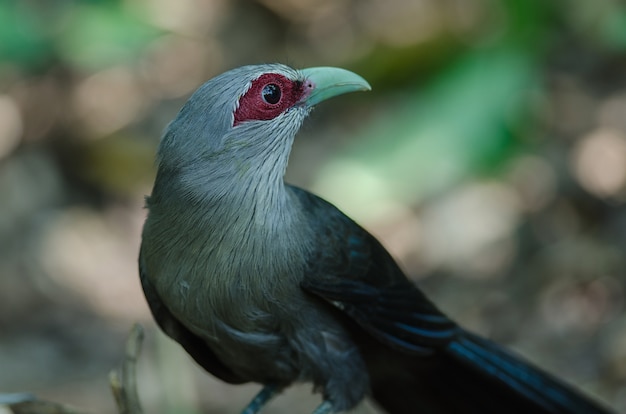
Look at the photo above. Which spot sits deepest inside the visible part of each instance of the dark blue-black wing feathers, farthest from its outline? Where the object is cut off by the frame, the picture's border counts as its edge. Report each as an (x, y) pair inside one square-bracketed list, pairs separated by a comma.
[(418, 359)]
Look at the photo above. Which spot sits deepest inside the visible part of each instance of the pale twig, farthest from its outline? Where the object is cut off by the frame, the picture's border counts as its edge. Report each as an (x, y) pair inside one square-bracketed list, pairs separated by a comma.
[(124, 381)]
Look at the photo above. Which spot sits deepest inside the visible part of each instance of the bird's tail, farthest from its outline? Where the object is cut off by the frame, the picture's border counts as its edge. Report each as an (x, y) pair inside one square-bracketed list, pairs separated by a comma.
[(518, 379), (475, 375)]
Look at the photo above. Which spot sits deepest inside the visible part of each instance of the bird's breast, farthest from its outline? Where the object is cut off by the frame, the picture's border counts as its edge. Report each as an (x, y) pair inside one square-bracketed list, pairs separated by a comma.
[(234, 281)]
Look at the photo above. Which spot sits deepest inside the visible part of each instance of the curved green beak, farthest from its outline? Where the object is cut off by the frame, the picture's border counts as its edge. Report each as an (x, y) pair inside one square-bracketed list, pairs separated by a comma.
[(329, 82)]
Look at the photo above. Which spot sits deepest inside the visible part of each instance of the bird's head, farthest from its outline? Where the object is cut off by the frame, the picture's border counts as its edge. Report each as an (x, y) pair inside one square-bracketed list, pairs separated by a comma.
[(247, 117)]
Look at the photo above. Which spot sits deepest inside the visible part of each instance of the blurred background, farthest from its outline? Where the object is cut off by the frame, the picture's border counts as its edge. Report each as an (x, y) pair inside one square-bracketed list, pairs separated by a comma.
[(490, 158)]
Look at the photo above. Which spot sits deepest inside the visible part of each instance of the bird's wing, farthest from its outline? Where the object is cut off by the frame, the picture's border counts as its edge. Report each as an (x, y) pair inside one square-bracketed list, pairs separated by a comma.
[(353, 272), (193, 344)]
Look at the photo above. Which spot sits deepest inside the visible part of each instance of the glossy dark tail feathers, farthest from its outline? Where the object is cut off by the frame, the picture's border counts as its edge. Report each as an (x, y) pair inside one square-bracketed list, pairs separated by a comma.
[(517, 381), (471, 375)]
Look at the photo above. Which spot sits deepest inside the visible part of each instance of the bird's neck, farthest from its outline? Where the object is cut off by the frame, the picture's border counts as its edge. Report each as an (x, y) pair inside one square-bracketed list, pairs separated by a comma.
[(236, 231), (234, 200), (239, 185), (239, 196)]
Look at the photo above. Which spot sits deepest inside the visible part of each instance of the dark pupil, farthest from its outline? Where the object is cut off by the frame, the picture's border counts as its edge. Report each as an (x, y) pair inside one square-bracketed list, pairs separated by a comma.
[(271, 93)]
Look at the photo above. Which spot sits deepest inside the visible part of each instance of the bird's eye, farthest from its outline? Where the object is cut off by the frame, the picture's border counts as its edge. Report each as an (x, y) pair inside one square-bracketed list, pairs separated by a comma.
[(271, 93)]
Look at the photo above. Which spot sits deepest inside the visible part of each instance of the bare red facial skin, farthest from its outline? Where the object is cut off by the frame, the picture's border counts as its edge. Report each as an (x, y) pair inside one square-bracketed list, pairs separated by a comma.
[(260, 101)]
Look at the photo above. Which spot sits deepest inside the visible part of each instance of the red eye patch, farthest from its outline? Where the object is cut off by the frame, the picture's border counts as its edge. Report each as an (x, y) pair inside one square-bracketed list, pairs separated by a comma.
[(270, 95)]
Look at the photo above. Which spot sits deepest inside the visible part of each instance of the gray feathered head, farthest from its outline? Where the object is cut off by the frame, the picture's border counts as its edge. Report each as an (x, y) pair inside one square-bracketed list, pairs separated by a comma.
[(238, 127), (250, 108)]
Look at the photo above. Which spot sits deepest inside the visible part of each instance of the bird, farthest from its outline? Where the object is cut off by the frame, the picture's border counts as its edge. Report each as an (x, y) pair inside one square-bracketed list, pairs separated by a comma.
[(262, 281)]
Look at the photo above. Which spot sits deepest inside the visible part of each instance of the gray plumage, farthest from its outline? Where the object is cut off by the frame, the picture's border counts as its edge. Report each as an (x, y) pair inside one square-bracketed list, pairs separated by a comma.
[(224, 247)]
